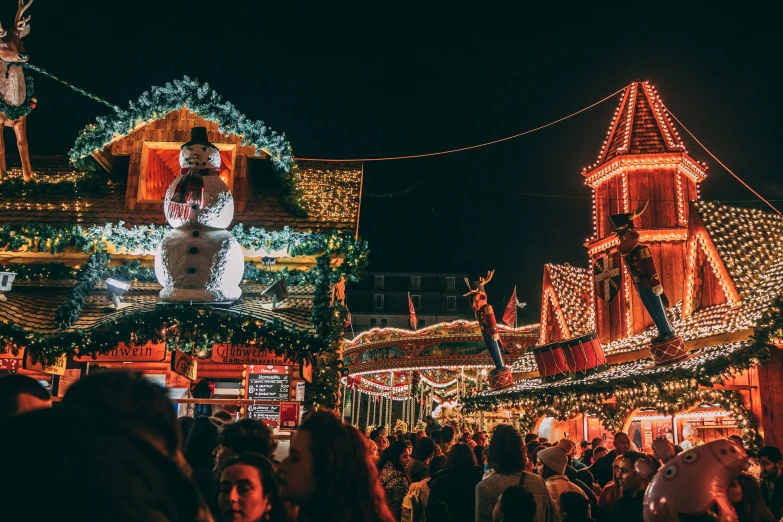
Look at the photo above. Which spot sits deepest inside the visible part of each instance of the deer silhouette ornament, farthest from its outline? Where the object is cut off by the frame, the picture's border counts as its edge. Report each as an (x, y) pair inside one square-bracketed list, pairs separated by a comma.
[(13, 89)]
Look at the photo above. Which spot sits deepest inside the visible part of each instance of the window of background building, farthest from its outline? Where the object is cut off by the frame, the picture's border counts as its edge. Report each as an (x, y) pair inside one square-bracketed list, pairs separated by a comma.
[(379, 281), (450, 283), (373, 322), (378, 300), (415, 281), (422, 323), (416, 301), (451, 302), (384, 322)]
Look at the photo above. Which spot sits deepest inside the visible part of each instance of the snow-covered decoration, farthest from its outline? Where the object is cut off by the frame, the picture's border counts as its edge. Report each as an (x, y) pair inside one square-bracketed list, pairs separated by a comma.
[(199, 260)]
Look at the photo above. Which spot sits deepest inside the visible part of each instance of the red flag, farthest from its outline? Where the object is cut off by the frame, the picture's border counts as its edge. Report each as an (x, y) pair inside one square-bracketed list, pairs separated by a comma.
[(414, 321), (510, 315)]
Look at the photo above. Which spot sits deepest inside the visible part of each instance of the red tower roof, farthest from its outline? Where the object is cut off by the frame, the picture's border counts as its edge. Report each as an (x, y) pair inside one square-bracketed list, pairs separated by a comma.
[(641, 125)]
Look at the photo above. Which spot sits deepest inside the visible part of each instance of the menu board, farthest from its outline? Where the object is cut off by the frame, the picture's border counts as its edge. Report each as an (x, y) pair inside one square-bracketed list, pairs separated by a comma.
[(269, 383), (264, 412)]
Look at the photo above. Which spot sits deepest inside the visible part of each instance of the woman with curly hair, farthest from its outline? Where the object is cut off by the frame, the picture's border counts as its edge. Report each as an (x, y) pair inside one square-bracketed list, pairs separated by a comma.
[(330, 476)]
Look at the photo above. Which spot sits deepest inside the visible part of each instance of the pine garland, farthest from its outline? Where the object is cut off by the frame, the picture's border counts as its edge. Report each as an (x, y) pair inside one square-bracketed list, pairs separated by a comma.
[(37, 237), (90, 276), (668, 392), (206, 103)]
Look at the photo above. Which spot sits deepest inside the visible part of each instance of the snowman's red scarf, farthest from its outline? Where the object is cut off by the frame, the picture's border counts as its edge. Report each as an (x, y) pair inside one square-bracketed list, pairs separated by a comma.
[(188, 194)]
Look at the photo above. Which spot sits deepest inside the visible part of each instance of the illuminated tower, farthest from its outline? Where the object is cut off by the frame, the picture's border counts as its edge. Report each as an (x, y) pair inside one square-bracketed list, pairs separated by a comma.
[(642, 158)]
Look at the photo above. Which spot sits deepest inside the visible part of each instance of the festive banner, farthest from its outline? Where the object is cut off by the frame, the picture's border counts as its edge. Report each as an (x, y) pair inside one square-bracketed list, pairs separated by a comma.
[(149, 352), (510, 315), (245, 354), (414, 321)]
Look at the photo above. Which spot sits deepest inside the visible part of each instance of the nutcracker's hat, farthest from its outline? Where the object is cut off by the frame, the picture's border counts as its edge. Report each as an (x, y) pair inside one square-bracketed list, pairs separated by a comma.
[(474, 287), (623, 222), (198, 136), (477, 287)]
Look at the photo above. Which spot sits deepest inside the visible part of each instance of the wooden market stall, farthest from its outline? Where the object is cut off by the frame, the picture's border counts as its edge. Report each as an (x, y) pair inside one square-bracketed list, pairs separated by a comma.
[(98, 214)]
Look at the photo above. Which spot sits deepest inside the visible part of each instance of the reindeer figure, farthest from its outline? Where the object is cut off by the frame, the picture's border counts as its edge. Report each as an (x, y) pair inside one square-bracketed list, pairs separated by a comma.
[(13, 89)]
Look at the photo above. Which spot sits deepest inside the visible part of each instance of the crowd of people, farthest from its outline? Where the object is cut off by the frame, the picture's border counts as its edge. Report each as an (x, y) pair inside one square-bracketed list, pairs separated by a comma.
[(114, 449)]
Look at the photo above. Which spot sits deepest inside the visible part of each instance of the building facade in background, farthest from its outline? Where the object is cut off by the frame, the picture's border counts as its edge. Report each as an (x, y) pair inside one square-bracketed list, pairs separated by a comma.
[(380, 299)]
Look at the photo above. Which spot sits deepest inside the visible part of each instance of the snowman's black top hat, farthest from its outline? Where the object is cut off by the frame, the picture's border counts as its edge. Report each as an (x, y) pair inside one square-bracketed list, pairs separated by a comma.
[(198, 136)]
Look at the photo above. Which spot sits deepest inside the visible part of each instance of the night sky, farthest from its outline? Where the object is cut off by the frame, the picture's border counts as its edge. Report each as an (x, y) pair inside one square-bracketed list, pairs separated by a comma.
[(372, 80)]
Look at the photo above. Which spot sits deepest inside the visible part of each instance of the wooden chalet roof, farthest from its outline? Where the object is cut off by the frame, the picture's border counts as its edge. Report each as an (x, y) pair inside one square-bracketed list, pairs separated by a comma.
[(33, 304), (641, 125), (573, 293), (333, 191), (748, 241)]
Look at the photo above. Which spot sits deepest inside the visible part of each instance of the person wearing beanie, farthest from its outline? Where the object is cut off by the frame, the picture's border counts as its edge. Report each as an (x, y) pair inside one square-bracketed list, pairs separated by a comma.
[(551, 467)]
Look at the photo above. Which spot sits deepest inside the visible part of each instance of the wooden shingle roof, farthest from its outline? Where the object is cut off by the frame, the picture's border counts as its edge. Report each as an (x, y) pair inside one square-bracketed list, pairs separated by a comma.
[(32, 305), (333, 191), (641, 126)]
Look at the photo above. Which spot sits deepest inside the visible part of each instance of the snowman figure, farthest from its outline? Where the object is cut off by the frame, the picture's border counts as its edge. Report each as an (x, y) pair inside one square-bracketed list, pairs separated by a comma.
[(199, 260)]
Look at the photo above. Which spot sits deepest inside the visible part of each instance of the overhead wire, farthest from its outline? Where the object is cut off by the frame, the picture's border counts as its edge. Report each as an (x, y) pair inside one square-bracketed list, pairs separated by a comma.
[(462, 149), (713, 156), (470, 147)]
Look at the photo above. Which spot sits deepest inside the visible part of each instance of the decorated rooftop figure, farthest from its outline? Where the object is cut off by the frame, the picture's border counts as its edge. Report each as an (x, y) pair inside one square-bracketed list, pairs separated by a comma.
[(500, 377), (641, 267), (199, 260)]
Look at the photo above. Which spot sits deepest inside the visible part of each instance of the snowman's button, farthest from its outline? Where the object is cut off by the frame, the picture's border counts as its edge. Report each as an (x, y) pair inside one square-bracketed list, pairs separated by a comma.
[(193, 250), (196, 233), (192, 270)]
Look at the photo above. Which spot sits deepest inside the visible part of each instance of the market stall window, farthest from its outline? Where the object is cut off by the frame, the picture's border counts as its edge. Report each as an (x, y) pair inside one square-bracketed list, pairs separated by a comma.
[(160, 166)]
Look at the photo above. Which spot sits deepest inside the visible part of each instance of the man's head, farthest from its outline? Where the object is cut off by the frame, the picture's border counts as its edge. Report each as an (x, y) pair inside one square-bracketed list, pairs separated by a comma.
[(621, 442), (736, 439), (771, 462), (631, 481), (597, 442), (428, 419), (383, 432), (574, 506), (568, 447), (242, 436), (599, 452), (20, 394), (530, 437), (447, 434), (616, 468), (480, 438), (515, 503), (690, 434)]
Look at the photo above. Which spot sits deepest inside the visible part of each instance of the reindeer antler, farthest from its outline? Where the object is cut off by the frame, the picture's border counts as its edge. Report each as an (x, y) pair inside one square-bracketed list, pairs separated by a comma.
[(20, 22), (471, 291), (484, 281)]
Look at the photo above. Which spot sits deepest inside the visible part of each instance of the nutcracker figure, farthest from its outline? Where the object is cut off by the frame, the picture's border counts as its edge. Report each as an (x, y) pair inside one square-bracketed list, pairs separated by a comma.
[(641, 267), (501, 376)]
